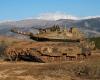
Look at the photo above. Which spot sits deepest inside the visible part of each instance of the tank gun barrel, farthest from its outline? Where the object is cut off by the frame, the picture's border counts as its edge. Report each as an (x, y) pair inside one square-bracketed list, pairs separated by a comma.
[(20, 32), (53, 34), (38, 28)]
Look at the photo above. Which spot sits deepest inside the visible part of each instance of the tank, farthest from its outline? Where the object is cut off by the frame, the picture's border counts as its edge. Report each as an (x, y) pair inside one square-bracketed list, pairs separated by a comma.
[(54, 33), (60, 45), (48, 51)]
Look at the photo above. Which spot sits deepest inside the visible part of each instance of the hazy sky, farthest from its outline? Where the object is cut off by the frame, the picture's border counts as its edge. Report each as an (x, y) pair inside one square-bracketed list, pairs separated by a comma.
[(20, 9)]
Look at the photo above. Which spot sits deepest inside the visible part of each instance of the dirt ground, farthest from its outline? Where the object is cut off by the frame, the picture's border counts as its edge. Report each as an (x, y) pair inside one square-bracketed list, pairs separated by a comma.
[(27, 71), (50, 71)]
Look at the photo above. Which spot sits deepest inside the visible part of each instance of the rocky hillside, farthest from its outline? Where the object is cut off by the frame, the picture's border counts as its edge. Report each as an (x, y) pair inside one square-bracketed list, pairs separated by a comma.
[(89, 26)]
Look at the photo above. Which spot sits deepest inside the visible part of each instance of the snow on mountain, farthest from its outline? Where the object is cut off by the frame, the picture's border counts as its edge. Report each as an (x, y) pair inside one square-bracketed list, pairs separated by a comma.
[(90, 25)]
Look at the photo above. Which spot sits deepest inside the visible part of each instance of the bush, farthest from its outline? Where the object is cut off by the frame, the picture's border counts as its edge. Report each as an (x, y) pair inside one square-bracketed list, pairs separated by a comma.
[(97, 41), (86, 71), (3, 46)]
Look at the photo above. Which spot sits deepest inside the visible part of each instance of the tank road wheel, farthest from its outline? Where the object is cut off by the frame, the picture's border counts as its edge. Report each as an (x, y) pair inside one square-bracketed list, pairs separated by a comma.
[(58, 59), (80, 57), (51, 59), (71, 58), (44, 58), (55, 59), (64, 58), (67, 58), (48, 59)]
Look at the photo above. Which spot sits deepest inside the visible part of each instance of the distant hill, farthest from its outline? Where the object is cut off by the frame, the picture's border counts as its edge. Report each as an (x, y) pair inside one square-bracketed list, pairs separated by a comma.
[(91, 27)]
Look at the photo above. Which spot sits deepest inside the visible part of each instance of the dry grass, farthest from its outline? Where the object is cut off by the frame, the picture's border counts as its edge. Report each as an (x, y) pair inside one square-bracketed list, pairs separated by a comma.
[(31, 71), (70, 70)]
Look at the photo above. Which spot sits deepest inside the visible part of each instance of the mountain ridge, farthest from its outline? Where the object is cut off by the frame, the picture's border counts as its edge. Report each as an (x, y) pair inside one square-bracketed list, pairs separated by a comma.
[(89, 26)]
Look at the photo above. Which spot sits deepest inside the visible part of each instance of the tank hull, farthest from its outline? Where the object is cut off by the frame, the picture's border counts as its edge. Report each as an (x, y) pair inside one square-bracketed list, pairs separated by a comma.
[(47, 52), (42, 39)]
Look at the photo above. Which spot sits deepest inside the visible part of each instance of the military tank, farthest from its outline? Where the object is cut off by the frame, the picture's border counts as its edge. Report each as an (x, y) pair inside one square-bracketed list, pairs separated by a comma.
[(60, 45), (55, 34)]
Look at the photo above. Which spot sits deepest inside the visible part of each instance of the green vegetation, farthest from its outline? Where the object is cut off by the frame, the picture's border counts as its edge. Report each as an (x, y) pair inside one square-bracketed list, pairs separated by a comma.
[(97, 41)]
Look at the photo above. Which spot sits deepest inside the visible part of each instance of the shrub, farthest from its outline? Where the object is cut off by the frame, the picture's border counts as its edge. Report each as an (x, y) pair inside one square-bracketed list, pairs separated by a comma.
[(3, 45), (97, 41), (87, 71)]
